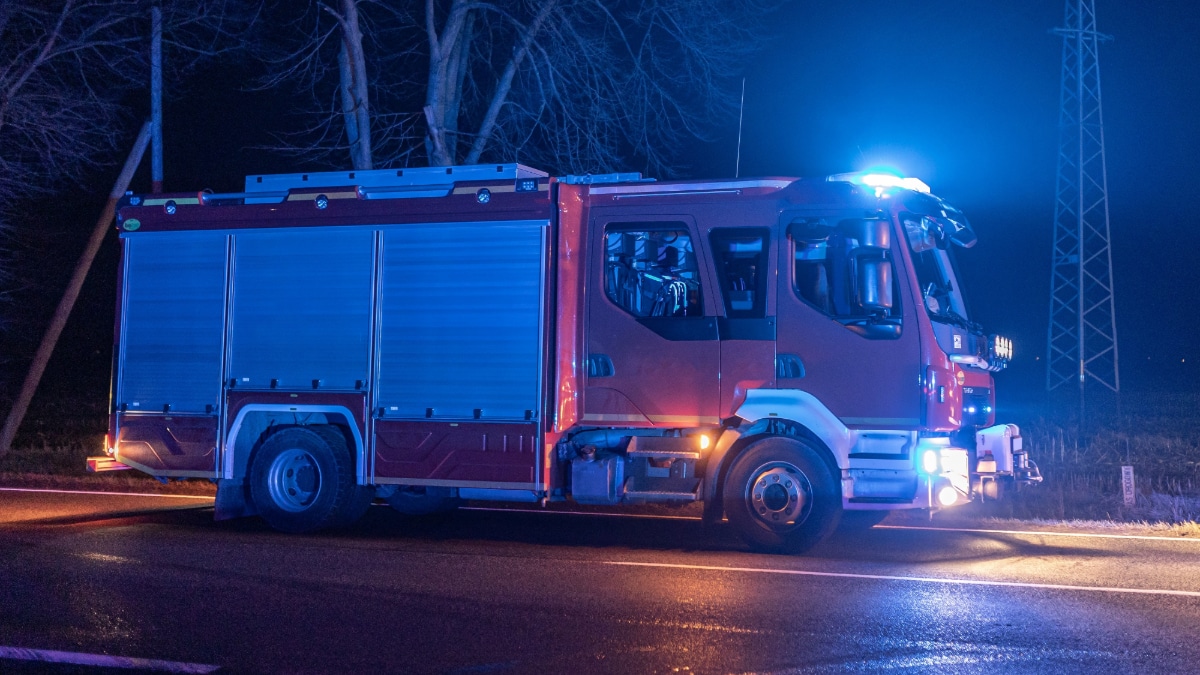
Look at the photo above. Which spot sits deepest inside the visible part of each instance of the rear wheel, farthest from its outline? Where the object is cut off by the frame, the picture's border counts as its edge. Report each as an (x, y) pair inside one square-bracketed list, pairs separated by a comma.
[(780, 496), (303, 480)]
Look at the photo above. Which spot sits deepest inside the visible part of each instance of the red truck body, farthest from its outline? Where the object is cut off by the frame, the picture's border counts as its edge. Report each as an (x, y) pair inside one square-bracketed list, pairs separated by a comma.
[(782, 350)]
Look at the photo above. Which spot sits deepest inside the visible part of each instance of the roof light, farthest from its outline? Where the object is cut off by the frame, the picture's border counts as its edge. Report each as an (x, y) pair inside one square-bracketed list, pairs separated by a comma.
[(882, 181)]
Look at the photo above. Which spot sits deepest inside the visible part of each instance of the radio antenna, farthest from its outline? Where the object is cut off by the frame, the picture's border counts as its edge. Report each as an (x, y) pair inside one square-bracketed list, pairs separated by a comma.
[(737, 167)]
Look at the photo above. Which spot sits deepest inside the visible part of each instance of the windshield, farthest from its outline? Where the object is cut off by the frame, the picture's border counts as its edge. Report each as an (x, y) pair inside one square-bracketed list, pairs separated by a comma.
[(940, 291)]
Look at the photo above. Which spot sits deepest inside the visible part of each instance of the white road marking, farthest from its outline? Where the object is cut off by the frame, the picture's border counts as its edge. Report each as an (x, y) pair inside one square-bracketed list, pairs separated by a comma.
[(882, 527), (1094, 535), (94, 492), (104, 558), (102, 660), (933, 580)]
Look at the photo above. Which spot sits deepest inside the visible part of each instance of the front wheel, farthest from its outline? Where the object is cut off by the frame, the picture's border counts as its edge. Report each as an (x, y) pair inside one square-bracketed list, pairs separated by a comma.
[(780, 496), (303, 480)]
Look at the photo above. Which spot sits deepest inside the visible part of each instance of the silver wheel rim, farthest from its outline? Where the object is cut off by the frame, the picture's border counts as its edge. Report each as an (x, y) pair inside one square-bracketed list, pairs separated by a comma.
[(294, 480), (779, 495)]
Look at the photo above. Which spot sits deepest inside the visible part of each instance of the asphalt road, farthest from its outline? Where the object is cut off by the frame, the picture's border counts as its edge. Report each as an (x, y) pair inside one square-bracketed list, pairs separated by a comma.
[(91, 579)]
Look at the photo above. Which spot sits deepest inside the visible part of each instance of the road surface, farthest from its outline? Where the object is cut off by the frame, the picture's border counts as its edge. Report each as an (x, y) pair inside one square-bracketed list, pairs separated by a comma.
[(152, 582)]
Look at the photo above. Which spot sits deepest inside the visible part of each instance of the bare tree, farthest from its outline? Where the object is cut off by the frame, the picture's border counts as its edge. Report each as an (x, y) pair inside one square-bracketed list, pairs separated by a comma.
[(67, 68), (58, 105), (65, 65), (580, 85)]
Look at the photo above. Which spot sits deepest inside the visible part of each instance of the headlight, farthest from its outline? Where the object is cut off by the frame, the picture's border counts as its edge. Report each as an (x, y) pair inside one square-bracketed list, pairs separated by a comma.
[(929, 461), (947, 496), (1000, 352)]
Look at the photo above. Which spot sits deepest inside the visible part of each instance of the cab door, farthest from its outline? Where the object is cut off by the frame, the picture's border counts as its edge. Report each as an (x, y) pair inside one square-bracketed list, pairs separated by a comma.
[(744, 275), (839, 338), (652, 343)]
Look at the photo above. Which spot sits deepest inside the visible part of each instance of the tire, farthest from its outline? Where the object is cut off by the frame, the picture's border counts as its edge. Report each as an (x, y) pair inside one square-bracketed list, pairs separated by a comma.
[(303, 480), (419, 500), (780, 496), (857, 521), (361, 495)]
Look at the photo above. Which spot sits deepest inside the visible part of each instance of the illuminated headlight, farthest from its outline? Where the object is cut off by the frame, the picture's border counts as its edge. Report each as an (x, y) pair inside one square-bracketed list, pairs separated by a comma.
[(929, 461), (1002, 348), (947, 496)]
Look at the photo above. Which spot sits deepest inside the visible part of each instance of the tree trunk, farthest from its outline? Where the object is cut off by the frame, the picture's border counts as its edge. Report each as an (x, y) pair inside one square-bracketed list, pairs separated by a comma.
[(156, 94), (446, 61), (352, 67)]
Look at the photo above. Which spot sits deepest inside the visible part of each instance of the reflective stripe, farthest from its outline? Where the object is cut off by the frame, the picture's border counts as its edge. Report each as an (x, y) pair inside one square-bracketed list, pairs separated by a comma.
[(681, 420)]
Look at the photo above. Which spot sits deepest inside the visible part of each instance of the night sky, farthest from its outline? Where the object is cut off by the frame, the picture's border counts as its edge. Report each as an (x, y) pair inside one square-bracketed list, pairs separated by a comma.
[(961, 94), (965, 95)]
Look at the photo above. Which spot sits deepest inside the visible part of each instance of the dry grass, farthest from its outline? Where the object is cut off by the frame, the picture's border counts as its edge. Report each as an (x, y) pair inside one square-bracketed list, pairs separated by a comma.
[(1157, 434), (1150, 528)]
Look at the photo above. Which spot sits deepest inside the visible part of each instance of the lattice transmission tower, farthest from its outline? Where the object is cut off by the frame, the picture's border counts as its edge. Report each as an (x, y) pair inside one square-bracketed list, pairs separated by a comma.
[(1083, 326)]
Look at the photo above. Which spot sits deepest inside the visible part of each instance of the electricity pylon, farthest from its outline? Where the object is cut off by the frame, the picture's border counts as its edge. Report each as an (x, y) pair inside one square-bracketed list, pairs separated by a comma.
[(1083, 326)]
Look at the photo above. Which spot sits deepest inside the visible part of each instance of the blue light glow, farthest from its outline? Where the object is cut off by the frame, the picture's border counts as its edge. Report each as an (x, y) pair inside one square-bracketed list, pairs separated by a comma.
[(882, 180)]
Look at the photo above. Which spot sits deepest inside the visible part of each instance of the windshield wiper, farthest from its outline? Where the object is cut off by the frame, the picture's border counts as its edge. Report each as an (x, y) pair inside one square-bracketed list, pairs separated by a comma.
[(955, 319)]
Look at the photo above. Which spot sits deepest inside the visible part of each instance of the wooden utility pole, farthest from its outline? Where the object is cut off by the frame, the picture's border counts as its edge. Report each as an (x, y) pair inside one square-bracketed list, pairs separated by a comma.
[(59, 321), (156, 91)]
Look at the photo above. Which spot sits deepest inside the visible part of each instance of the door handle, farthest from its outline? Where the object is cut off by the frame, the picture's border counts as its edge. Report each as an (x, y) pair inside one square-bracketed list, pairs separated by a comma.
[(788, 366), (599, 365)]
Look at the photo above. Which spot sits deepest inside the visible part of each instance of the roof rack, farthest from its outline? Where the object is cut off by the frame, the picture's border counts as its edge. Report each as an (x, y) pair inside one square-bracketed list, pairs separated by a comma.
[(598, 178), (434, 181)]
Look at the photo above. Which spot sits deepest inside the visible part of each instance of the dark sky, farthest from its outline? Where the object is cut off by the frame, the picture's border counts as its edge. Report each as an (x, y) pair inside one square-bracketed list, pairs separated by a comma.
[(961, 93), (965, 95)]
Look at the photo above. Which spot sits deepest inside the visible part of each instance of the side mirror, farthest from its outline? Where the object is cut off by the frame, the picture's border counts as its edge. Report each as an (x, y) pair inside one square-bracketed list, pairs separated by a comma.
[(959, 230), (873, 287), (868, 233)]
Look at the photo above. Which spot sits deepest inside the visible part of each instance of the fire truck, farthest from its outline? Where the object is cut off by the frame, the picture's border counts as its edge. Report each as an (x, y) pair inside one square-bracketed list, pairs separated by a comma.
[(781, 351)]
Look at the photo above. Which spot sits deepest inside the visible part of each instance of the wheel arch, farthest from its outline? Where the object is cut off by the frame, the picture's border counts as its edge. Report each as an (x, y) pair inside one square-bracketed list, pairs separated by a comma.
[(724, 456), (258, 421)]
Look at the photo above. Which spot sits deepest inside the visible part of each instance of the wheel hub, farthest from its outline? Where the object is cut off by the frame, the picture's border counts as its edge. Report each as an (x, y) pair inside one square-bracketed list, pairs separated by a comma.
[(294, 480), (780, 495)]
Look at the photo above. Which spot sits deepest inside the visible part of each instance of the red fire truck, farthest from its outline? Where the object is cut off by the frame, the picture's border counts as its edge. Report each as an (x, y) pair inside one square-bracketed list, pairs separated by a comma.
[(783, 351)]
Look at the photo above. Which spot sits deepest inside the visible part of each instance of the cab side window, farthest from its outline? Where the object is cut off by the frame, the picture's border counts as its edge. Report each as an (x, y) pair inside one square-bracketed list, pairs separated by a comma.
[(741, 260), (844, 268), (652, 272)]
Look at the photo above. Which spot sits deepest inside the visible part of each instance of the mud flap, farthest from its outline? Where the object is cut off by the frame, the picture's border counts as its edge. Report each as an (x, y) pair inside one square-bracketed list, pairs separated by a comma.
[(233, 500)]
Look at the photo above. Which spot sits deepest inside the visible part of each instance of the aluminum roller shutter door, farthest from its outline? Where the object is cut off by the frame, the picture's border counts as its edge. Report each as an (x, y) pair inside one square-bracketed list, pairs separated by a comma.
[(173, 321), (461, 320), (302, 308)]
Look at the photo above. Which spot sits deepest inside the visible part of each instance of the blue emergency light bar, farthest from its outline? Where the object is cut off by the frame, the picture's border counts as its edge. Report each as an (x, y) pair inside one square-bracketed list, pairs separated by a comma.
[(881, 181)]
